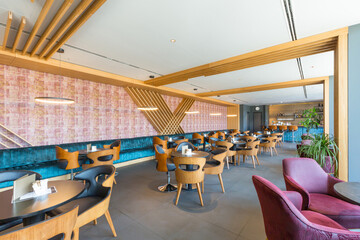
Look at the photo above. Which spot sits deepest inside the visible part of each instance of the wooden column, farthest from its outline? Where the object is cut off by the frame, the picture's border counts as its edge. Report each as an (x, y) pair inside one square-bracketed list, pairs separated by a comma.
[(233, 122), (326, 96), (341, 104)]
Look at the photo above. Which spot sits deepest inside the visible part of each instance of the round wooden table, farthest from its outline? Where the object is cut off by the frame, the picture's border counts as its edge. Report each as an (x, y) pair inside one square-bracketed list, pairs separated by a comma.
[(33, 210), (349, 191)]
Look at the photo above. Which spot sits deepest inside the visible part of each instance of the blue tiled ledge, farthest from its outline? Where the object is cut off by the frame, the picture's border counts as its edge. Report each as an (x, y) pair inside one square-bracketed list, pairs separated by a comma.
[(42, 159)]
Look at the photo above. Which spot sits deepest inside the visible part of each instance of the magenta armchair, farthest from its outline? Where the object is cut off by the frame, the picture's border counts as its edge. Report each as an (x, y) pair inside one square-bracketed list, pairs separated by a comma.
[(316, 187), (284, 219)]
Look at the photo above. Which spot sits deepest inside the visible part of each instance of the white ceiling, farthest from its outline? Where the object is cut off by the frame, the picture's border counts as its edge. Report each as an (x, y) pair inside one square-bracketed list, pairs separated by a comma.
[(132, 38)]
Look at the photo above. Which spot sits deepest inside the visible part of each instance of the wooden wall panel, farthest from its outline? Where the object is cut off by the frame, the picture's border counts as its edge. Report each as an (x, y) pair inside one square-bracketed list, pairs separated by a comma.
[(233, 122), (163, 120)]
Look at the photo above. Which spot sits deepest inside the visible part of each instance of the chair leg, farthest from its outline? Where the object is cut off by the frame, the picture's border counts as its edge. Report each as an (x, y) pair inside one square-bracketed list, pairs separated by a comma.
[(75, 234), (276, 152), (178, 193), (244, 158), (227, 162), (253, 160), (271, 151), (95, 222), (202, 186), (257, 159), (114, 181), (108, 218), (199, 192), (221, 183)]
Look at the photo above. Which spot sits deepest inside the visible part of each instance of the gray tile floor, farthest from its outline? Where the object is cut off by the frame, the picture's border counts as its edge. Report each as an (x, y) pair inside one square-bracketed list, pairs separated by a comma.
[(139, 211)]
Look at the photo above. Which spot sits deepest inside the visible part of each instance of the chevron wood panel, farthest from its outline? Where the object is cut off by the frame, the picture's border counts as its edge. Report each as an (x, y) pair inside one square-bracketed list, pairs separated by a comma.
[(163, 120)]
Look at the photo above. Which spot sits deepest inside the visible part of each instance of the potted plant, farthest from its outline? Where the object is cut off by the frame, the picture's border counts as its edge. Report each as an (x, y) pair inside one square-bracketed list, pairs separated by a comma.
[(312, 120), (323, 149)]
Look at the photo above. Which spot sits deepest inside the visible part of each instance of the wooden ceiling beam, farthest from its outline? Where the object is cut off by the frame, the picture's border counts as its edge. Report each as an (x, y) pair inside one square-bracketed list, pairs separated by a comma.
[(18, 35), (60, 13), (303, 47), (37, 24), (84, 17), (7, 29), (73, 16), (265, 87)]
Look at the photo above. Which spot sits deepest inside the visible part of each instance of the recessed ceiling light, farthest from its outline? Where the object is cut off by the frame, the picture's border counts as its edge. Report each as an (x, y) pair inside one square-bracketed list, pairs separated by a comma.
[(151, 76), (173, 40), (195, 89), (312, 66)]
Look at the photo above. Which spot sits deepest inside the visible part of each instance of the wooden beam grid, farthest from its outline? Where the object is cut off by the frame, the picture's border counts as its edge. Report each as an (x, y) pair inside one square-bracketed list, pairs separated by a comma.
[(7, 29), (18, 35)]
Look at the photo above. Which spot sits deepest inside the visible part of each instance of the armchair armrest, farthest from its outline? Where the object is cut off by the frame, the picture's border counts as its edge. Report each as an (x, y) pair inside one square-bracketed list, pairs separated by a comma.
[(168, 152), (331, 182), (106, 146), (292, 185), (295, 198)]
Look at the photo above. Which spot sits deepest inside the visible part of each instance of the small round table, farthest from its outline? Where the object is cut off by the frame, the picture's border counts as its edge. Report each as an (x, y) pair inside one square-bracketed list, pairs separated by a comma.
[(33, 210), (195, 154), (349, 191)]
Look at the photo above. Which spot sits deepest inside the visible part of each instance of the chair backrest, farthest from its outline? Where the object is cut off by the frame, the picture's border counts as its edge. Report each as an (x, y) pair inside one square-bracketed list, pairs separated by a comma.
[(161, 157), (61, 225), (72, 158), (219, 156), (293, 128), (159, 141), (182, 144), (307, 173), (249, 138), (116, 143), (181, 140), (282, 219), (117, 152), (254, 146), (246, 132), (271, 141), (198, 136), (221, 135), (98, 180), (225, 144), (104, 157), (12, 175), (189, 176), (272, 127)]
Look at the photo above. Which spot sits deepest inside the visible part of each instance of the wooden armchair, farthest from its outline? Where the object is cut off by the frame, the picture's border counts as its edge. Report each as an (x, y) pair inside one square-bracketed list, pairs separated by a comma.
[(159, 141), (162, 155), (278, 138), (216, 166), (251, 150), (248, 138), (221, 135), (62, 224), (184, 176), (104, 157), (269, 144), (229, 153), (94, 200), (198, 136), (67, 160)]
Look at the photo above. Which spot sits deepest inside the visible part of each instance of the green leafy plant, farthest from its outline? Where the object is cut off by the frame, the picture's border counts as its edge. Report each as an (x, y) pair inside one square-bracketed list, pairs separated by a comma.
[(322, 145), (307, 137), (312, 119)]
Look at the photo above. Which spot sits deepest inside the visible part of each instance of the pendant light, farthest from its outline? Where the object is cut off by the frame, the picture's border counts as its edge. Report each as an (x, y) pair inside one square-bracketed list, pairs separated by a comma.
[(55, 100)]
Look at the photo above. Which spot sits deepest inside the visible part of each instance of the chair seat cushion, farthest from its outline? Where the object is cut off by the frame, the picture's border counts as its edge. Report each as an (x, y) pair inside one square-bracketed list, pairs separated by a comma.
[(320, 219), (6, 225), (171, 166), (83, 203), (345, 213)]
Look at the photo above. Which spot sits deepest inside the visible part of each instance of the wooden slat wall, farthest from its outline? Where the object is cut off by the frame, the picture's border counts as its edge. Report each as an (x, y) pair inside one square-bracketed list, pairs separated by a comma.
[(233, 122), (163, 120)]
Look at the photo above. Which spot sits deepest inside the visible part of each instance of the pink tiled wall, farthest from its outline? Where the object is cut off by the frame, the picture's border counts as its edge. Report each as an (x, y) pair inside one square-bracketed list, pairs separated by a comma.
[(101, 111)]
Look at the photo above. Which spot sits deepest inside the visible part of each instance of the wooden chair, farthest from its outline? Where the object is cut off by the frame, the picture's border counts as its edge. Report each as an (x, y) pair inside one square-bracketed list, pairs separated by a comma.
[(212, 142), (162, 155), (269, 144), (235, 131), (70, 159), (278, 138), (272, 128), (159, 141), (184, 176), (198, 136), (104, 157), (216, 166), (214, 135), (248, 138), (181, 140), (117, 146), (282, 128), (229, 153), (62, 224), (246, 132), (251, 150), (221, 135), (94, 200)]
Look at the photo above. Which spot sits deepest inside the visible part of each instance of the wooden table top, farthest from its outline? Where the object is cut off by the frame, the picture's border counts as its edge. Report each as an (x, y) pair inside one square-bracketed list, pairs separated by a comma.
[(66, 190), (198, 154), (349, 191)]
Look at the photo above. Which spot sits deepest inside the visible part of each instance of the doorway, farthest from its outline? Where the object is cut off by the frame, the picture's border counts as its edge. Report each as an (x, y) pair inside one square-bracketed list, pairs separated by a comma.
[(257, 123)]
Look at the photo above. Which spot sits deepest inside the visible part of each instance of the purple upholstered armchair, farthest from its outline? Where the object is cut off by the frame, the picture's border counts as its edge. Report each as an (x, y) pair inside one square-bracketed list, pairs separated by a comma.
[(284, 219), (305, 176)]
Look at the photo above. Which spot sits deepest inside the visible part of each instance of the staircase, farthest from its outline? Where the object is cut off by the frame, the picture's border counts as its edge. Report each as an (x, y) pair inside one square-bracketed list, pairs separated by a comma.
[(9, 139)]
